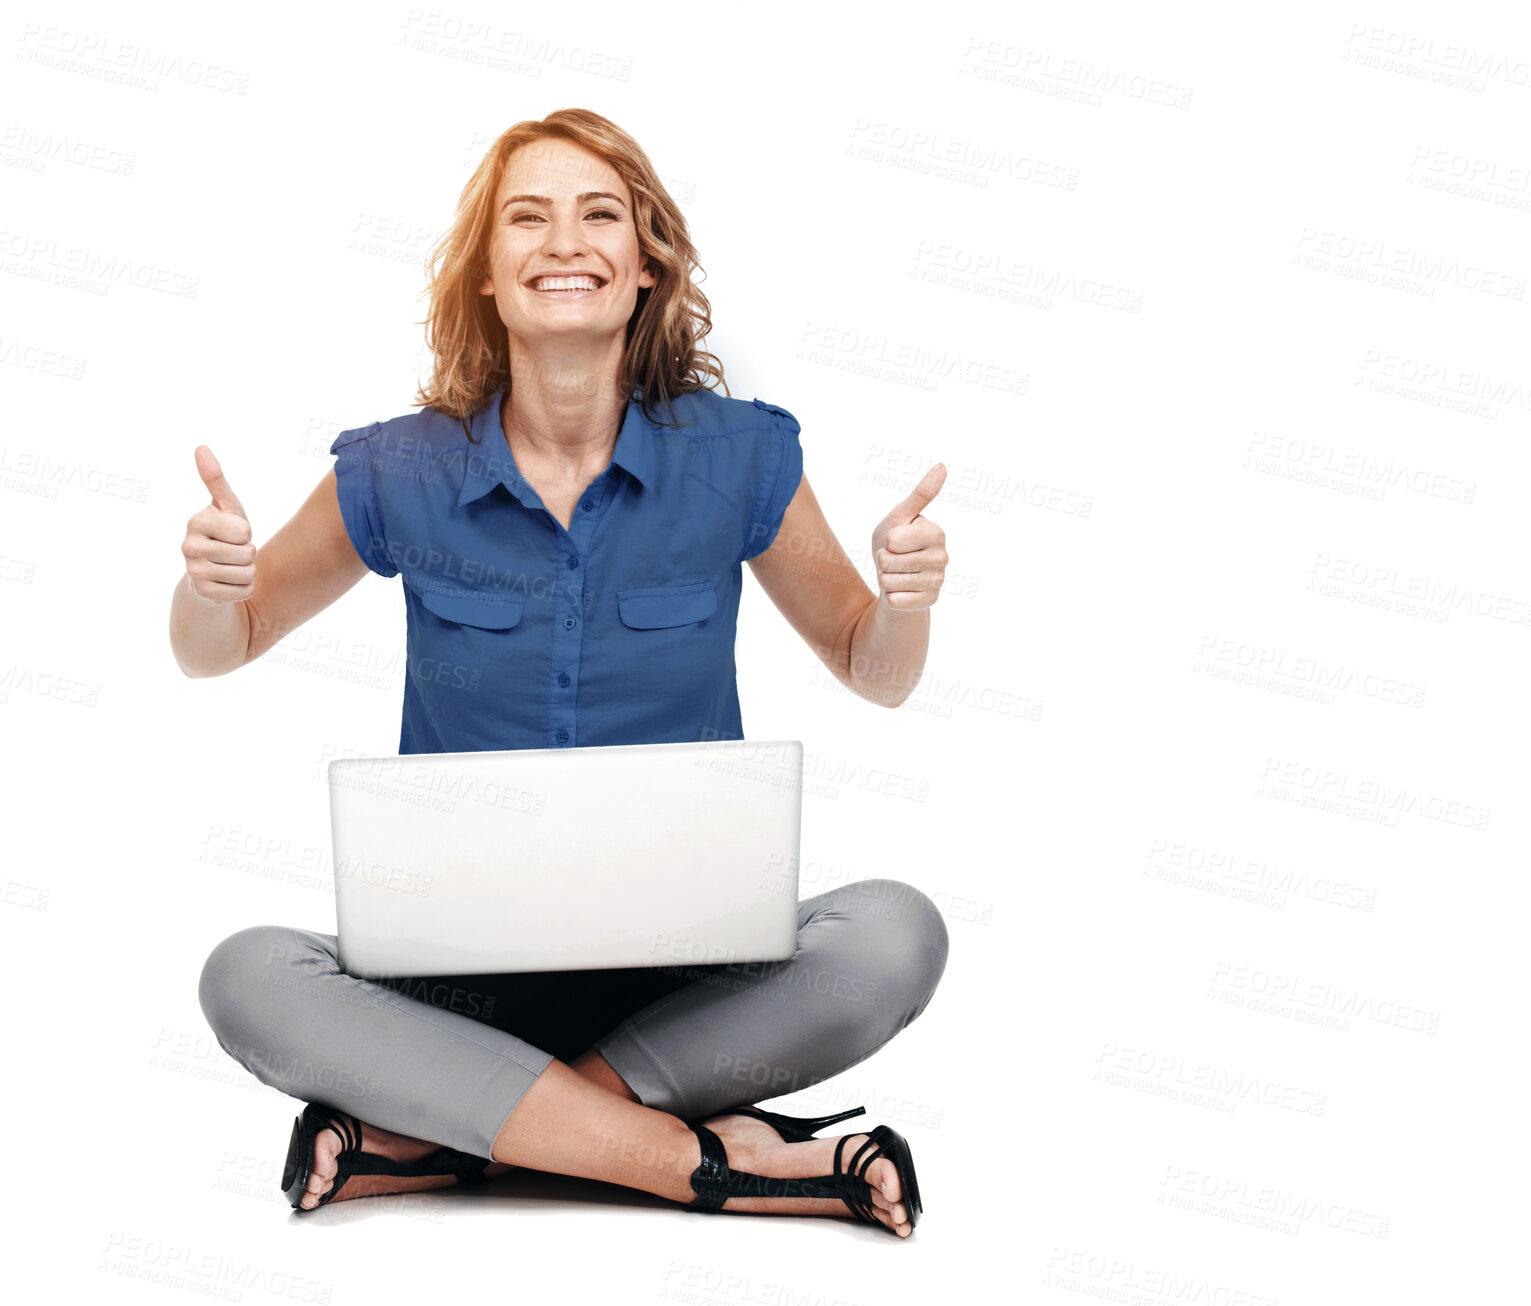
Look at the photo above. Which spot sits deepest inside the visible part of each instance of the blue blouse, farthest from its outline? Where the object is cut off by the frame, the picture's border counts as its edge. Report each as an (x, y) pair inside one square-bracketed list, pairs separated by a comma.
[(617, 630)]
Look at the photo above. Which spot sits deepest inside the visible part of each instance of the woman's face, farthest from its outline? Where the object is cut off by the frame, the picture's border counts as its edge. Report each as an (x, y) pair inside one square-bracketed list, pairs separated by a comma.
[(562, 211)]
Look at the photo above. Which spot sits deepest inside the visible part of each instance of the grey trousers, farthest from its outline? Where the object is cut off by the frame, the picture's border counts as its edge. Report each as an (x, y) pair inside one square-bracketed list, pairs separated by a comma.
[(446, 1059)]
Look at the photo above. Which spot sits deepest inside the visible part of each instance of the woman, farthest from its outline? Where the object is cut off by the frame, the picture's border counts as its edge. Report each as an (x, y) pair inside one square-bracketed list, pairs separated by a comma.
[(570, 511)]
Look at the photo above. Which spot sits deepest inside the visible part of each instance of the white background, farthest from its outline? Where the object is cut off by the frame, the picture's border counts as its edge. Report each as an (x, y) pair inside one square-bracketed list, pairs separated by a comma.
[(1218, 765)]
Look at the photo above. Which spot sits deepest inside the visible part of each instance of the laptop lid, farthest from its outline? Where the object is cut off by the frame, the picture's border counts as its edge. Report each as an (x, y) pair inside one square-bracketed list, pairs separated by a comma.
[(567, 858)]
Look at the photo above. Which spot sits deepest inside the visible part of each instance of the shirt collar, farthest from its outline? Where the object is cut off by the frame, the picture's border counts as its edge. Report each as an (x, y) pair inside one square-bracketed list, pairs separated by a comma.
[(489, 461)]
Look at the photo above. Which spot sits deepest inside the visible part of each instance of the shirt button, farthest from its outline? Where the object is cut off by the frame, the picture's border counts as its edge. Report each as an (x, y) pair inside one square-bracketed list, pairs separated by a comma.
[(568, 623), (573, 563), (587, 505), (563, 736), (563, 677)]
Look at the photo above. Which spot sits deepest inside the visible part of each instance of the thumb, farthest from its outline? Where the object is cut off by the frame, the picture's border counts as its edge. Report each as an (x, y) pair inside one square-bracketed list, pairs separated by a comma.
[(224, 498), (914, 503)]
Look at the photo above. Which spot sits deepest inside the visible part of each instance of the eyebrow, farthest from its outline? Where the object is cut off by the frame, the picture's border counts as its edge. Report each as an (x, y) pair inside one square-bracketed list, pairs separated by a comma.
[(578, 199)]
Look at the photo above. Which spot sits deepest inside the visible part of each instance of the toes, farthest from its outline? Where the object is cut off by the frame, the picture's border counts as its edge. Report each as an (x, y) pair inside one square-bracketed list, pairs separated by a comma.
[(882, 1174), (894, 1210), (322, 1170), (886, 1197)]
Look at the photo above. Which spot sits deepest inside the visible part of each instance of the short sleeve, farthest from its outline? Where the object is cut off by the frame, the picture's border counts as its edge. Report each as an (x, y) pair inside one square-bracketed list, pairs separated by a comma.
[(355, 487), (781, 470)]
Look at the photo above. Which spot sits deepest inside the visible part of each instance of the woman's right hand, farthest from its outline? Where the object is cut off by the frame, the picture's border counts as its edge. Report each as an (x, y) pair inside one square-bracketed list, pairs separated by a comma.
[(220, 559)]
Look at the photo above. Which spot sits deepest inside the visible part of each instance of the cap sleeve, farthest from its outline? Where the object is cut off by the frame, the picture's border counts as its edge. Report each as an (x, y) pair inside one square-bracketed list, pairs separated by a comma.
[(781, 469), (355, 487)]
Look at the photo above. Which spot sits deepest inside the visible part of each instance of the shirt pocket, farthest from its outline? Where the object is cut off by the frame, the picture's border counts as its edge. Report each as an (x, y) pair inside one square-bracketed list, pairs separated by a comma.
[(652, 607), (497, 613)]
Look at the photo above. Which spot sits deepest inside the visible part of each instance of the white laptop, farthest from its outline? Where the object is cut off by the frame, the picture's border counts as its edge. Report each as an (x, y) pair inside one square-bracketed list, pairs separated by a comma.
[(567, 858)]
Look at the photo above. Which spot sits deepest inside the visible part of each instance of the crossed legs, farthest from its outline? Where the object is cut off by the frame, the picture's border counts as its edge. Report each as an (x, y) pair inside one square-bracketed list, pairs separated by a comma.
[(869, 957)]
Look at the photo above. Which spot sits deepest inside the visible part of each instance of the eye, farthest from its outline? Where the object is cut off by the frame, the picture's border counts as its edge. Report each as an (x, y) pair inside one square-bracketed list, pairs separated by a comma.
[(594, 213)]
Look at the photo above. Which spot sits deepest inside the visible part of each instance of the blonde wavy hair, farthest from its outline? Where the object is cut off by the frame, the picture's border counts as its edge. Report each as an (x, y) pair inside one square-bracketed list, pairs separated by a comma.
[(469, 343)]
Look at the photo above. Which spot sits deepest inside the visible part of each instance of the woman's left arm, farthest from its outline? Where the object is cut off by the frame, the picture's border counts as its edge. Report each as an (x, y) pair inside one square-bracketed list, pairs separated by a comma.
[(874, 645)]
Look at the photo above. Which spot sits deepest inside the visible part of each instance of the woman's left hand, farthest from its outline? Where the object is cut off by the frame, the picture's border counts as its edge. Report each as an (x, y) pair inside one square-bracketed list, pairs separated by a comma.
[(909, 550)]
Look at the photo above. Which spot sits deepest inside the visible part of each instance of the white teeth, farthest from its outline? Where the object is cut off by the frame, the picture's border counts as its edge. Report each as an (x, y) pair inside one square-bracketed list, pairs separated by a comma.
[(566, 283)]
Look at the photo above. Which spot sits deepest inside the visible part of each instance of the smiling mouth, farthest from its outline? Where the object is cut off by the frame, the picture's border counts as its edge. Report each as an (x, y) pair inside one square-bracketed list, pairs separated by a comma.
[(569, 287)]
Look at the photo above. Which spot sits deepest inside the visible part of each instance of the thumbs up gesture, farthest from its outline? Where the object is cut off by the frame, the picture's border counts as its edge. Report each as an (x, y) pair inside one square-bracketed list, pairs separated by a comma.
[(910, 550), (219, 556)]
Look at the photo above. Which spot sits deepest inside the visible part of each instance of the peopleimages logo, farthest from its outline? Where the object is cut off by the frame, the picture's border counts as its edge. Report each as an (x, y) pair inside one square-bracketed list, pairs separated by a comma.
[(1267, 667), (1382, 580), (1446, 61), (1397, 799), (1377, 256), (1322, 996)]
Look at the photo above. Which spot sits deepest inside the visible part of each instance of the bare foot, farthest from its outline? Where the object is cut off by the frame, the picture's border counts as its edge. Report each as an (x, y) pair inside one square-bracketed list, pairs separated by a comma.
[(753, 1146), (377, 1142)]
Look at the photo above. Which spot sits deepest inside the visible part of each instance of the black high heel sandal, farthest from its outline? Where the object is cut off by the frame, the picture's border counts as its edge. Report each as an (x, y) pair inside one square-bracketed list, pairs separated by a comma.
[(714, 1183), (351, 1160), (794, 1129)]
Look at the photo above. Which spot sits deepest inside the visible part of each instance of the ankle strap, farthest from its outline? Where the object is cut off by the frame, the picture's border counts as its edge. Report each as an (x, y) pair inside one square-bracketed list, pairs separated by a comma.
[(710, 1179), (714, 1183)]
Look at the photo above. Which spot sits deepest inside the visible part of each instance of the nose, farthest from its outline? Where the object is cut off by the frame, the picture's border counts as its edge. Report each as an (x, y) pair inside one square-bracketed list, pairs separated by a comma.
[(565, 236)]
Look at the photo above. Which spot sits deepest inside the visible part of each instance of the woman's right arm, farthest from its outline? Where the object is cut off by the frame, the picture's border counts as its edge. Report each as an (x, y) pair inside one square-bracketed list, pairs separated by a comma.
[(236, 602)]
